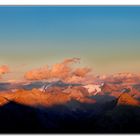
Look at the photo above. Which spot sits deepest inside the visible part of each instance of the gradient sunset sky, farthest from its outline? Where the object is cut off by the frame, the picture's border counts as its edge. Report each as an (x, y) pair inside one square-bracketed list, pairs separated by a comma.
[(106, 38)]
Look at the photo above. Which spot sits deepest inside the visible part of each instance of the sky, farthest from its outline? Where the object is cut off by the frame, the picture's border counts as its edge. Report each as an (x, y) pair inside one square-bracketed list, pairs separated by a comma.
[(106, 38)]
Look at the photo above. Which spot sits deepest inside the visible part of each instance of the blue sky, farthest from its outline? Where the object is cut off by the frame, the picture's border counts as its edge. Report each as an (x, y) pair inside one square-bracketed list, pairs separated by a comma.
[(106, 38)]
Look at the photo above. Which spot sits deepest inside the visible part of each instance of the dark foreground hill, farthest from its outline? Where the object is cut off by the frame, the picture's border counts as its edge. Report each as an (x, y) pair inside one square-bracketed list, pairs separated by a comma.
[(73, 116)]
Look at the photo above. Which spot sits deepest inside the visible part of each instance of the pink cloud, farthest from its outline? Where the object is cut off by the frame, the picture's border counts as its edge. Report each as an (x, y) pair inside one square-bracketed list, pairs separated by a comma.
[(4, 69), (64, 71)]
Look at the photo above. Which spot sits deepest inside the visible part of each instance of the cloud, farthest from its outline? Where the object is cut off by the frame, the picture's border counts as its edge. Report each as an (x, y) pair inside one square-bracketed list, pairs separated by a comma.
[(81, 72), (4, 69), (63, 71), (38, 74)]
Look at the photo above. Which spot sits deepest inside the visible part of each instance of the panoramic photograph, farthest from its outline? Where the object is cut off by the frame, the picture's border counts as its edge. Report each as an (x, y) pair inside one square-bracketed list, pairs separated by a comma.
[(70, 69)]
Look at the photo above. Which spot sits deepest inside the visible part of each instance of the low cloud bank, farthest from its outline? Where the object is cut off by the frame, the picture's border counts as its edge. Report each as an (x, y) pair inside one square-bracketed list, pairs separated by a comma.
[(63, 71)]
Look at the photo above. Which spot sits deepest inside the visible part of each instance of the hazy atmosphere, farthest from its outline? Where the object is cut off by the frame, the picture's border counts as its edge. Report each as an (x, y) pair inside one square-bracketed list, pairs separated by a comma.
[(106, 39)]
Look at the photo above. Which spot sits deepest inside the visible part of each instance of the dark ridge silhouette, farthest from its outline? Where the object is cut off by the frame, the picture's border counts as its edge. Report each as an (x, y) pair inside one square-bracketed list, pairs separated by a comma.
[(17, 118), (74, 117), (121, 119), (71, 117)]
